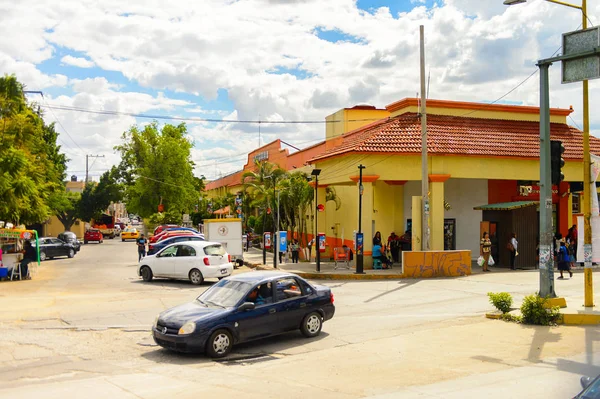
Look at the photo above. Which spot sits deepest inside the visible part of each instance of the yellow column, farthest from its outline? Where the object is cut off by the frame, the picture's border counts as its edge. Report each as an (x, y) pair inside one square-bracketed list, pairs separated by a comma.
[(437, 211), (417, 203)]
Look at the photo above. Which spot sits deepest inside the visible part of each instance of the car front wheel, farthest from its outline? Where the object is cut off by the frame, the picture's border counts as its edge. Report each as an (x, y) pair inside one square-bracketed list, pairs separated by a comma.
[(43, 256), (196, 277), (71, 253), (219, 344), (311, 325), (146, 274)]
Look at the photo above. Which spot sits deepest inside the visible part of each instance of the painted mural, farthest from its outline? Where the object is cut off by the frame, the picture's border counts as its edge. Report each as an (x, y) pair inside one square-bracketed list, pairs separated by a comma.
[(430, 264)]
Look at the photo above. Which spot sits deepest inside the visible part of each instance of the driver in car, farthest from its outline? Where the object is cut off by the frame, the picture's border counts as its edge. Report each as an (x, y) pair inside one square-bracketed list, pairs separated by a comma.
[(261, 294)]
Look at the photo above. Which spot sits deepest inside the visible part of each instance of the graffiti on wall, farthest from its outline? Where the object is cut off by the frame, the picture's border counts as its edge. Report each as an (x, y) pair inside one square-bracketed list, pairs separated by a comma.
[(436, 264)]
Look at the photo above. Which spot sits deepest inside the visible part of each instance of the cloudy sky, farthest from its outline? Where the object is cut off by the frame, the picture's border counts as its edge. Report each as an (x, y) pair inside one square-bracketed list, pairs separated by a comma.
[(269, 60)]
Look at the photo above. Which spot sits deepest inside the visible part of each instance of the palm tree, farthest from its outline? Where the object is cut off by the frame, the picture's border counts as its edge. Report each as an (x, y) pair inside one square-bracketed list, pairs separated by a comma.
[(296, 197)]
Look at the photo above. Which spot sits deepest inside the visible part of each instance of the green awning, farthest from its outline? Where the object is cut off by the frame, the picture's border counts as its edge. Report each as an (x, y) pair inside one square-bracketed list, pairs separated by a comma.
[(505, 206)]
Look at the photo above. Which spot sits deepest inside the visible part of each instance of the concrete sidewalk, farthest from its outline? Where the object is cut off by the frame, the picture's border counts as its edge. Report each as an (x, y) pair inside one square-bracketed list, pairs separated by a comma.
[(254, 258)]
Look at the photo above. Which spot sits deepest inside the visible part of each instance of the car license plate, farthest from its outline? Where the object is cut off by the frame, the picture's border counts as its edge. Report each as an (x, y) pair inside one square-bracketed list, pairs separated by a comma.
[(223, 271)]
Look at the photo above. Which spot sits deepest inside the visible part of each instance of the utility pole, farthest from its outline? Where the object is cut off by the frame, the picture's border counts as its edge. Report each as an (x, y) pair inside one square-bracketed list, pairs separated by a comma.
[(277, 238), (587, 189), (315, 173), (86, 165), (424, 166), (359, 253), (275, 229), (546, 251)]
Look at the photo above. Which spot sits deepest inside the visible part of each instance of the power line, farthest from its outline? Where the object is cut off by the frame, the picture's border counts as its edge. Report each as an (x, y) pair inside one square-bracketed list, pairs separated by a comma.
[(60, 124), (191, 119)]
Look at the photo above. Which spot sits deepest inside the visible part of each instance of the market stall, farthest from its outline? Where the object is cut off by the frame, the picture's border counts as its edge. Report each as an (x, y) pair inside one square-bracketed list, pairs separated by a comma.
[(11, 245)]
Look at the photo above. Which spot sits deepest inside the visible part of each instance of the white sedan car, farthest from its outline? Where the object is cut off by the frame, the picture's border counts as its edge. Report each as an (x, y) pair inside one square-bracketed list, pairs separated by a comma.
[(188, 260)]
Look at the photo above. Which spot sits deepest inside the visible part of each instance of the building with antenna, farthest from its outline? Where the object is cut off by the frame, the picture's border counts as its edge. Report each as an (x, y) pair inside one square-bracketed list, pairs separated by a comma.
[(483, 171)]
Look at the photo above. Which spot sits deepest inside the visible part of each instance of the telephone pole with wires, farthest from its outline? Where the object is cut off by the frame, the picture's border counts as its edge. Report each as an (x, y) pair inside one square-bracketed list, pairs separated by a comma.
[(87, 170)]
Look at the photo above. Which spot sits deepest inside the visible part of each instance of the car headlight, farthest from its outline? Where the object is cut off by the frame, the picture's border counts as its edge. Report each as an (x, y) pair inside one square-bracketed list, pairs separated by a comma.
[(187, 328), (156, 322)]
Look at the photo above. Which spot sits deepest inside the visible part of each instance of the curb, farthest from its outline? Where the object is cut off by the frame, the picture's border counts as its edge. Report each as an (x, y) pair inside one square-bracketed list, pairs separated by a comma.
[(552, 302), (580, 319), (321, 276)]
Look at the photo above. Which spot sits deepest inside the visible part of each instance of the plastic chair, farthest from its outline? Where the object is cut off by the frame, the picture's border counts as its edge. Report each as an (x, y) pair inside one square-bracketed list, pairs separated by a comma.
[(342, 255), (377, 264)]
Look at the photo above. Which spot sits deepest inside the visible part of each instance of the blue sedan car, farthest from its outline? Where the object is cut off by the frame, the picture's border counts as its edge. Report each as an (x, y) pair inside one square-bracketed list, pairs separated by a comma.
[(157, 246), (242, 308)]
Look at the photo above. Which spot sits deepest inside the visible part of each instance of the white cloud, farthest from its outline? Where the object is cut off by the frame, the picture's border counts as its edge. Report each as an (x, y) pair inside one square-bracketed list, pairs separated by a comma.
[(77, 61), (476, 51)]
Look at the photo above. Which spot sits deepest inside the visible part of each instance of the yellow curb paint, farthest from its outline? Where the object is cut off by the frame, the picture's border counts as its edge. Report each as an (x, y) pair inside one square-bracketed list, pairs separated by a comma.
[(494, 316), (551, 302), (580, 319)]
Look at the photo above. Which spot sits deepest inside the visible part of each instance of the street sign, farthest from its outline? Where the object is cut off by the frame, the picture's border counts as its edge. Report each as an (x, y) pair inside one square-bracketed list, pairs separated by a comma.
[(584, 68)]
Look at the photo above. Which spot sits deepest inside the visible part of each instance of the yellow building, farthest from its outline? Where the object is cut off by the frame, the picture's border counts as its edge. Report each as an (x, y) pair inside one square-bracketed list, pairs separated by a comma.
[(53, 227), (478, 154)]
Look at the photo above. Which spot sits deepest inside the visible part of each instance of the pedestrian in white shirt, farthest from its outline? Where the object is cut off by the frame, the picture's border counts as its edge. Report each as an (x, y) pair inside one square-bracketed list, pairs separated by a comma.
[(512, 247)]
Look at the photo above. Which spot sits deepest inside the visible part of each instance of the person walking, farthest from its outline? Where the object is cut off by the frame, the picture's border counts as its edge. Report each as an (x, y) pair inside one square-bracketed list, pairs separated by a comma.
[(512, 247), (485, 248), (563, 259), (141, 244), (295, 247), (310, 244)]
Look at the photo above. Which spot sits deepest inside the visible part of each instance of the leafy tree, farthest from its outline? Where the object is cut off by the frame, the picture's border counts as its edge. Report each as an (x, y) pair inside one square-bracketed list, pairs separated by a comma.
[(96, 198), (156, 168), (66, 206), (296, 198), (32, 168)]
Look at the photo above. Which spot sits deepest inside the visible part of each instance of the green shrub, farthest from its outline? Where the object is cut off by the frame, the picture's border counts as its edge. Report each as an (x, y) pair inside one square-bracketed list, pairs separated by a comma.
[(510, 317), (534, 312), (501, 300)]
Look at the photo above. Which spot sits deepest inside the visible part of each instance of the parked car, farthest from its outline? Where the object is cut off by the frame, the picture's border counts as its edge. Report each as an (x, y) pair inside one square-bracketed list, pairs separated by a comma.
[(117, 230), (168, 234), (162, 227), (157, 246), (130, 233), (51, 247), (173, 231), (121, 225), (71, 238), (591, 388), (93, 235), (242, 308), (193, 260)]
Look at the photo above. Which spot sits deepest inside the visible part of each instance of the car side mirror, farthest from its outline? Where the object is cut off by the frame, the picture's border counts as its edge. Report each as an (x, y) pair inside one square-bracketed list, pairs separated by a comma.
[(246, 306), (585, 381)]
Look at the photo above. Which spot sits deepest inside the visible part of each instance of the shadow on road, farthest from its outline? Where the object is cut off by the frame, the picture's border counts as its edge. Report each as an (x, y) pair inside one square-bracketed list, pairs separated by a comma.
[(404, 284), (182, 284), (250, 352)]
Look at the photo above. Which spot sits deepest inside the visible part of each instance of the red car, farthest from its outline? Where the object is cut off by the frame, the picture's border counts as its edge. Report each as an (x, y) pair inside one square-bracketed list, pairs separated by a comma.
[(160, 228), (168, 234), (93, 235)]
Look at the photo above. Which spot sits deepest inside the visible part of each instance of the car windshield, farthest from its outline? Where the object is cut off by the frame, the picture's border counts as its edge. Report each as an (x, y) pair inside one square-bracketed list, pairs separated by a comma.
[(226, 293), (216, 249), (130, 230)]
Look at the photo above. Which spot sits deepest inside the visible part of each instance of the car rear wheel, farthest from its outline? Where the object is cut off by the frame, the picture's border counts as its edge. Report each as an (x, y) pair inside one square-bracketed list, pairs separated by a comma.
[(311, 325), (71, 253), (122, 239), (43, 256), (219, 344), (196, 277), (146, 274), (85, 242)]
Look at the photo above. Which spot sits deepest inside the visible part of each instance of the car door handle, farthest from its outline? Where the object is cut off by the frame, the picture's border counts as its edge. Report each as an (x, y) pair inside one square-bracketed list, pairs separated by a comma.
[(272, 310), (303, 305)]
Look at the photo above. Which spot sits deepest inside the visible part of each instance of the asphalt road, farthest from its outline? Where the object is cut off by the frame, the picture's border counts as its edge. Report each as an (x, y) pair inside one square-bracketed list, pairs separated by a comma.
[(81, 328)]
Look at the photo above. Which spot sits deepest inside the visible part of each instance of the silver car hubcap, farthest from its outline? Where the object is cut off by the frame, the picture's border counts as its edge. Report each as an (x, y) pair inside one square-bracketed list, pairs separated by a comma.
[(71, 253), (221, 343), (43, 256), (195, 277), (312, 324)]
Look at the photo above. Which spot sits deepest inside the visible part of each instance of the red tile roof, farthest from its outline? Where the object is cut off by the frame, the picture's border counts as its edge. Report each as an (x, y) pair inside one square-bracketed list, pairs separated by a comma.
[(455, 135)]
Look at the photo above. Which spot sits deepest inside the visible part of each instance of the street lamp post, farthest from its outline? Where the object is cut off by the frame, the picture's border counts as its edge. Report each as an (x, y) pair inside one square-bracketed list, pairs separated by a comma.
[(316, 173), (587, 191), (359, 252)]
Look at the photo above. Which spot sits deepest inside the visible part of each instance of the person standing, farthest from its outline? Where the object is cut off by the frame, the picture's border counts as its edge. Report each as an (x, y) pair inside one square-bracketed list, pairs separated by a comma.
[(485, 250), (141, 244), (310, 244), (377, 239), (563, 259), (512, 247), (295, 248), (572, 236), (394, 245)]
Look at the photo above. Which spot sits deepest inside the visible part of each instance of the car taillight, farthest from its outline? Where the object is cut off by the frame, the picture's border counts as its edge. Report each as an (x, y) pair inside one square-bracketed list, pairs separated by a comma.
[(206, 262), (228, 258), (331, 297), (150, 246)]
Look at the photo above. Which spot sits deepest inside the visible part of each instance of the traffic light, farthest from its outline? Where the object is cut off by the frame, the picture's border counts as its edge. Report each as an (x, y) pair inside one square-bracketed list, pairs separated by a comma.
[(556, 161)]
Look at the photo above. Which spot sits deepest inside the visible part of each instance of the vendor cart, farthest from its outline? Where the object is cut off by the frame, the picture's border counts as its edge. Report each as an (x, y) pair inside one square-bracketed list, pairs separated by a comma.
[(11, 244)]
